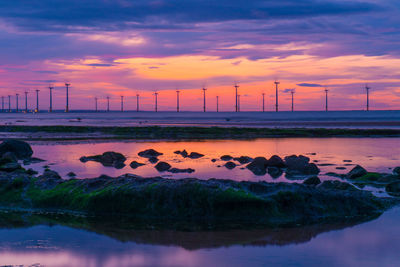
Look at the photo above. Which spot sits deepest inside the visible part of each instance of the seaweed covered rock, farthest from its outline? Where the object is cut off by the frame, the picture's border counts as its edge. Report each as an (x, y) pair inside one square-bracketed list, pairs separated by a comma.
[(258, 166), (149, 153), (21, 149), (356, 172), (108, 159)]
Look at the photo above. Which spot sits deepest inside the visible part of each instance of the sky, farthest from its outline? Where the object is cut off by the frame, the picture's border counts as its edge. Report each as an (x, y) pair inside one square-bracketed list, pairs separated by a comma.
[(125, 47)]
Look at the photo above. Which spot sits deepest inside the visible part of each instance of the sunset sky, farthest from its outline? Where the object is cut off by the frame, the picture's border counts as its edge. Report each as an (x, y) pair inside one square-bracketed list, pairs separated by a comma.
[(125, 47)]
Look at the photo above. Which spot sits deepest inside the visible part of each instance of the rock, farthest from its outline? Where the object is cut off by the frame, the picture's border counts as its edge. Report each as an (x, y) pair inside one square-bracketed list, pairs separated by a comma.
[(71, 174), (274, 172), (162, 166), (176, 170), (49, 174), (258, 166), (314, 180), (347, 160), (149, 153), (135, 164), (356, 172), (213, 160), (107, 159), (195, 155), (337, 185), (276, 161), (8, 157), (393, 188), (21, 149), (340, 168), (184, 153), (31, 172), (32, 161), (396, 171), (243, 159), (299, 165), (230, 165), (153, 160), (226, 157), (178, 152), (10, 167)]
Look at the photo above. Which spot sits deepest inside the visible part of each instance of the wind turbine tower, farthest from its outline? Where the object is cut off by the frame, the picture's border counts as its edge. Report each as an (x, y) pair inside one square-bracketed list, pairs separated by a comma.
[(9, 103), (217, 103), (276, 97), (37, 100), (26, 101), (156, 101), (177, 100), (2, 104), (108, 104), (367, 88), (51, 98), (292, 92), (67, 85), (236, 97), (95, 104), (16, 102), (326, 99), (122, 103), (137, 102), (204, 99)]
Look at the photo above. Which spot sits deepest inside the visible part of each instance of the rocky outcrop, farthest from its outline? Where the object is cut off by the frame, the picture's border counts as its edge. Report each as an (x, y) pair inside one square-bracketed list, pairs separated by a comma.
[(107, 159), (393, 188), (21, 149)]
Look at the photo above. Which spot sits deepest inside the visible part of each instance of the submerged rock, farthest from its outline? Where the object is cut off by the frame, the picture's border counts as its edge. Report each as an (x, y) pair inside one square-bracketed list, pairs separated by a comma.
[(258, 166), (177, 170), (243, 159), (314, 180), (20, 149), (226, 157), (162, 166), (356, 172), (230, 165), (107, 159), (195, 155), (134, 164), (149, 153)]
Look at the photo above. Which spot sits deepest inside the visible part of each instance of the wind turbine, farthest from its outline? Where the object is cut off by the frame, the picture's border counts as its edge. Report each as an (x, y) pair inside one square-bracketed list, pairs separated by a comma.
[(51, 98), (156, 101), (108, 104), (16, 102), (95, 103), (67, 85), (37, 100), (137, 102), (177, 100), (204, 99), (2, 103), (236, 97), (276, 97), (263, 102), (238, 103), (217, 103), (326, 99), (9, 103), (122, 103), (292, 92), (367, 88)]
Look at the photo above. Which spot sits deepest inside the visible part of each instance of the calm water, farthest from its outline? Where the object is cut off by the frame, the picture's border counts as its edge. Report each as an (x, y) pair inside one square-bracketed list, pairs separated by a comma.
[(375, 243), (375, 154)]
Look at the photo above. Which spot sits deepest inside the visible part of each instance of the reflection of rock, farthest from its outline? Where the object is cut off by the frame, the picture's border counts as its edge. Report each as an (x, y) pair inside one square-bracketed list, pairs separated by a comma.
[(148, 153), (134, 164), (226, 157), (275, 172), (243, 159), (258, 166), (356, 172), (230, 165), (20, 149), (107, 159), (162, 166), (176, 170)]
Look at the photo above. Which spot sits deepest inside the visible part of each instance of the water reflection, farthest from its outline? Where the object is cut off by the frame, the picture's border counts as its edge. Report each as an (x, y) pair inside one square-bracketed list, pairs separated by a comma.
[(368, 244), (330, 153)]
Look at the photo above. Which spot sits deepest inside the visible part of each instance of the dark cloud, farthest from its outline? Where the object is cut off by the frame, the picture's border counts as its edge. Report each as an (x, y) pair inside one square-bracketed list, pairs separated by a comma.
[(310, 85)]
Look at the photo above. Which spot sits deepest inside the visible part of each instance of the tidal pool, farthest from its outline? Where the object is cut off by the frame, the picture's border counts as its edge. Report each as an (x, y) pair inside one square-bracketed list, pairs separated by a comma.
[(375, 154)]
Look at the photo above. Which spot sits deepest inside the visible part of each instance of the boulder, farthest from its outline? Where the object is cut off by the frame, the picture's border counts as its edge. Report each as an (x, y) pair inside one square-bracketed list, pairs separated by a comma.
[(226, 157), (148, 153), (195, 155), (243, 159), (356, 172), (21, 149), (177, 170), (276, 161), (393, 188), (314, 180), (162, 166), (230, 165), (135, 164), (107, 159), (258, 166)]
